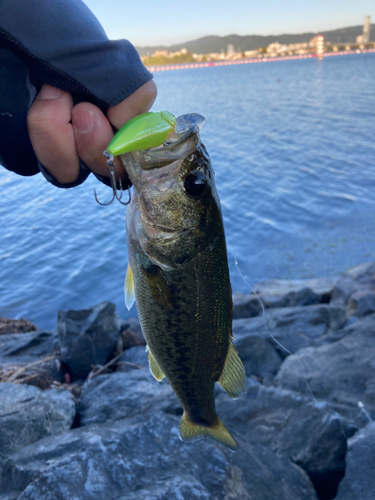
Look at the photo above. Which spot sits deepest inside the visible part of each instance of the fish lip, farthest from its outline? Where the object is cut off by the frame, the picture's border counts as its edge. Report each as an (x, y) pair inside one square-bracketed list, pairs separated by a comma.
[(162, 154)]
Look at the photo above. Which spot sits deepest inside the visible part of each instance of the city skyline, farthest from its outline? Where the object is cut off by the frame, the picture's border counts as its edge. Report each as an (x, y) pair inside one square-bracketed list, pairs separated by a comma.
[(167, 23)]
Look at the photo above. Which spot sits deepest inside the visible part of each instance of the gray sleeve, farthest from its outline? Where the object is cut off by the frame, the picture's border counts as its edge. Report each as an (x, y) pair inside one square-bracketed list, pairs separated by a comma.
[(59, 42)]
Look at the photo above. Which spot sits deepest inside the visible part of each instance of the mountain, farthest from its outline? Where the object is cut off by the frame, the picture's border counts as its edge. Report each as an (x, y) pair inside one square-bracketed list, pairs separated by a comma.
[(214, 43)]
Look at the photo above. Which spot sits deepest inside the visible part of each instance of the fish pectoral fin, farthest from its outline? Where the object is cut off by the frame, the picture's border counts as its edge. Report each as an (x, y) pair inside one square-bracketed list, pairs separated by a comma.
[(129, 287), (158, 286), (155, 369), (233, 376), (189, 431)]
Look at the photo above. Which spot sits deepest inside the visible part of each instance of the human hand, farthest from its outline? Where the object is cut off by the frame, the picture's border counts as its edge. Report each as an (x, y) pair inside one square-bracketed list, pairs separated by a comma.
[(61, 133)]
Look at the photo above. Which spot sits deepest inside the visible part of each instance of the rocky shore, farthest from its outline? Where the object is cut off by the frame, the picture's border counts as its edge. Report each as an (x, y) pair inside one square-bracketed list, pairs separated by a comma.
[(81, 418)]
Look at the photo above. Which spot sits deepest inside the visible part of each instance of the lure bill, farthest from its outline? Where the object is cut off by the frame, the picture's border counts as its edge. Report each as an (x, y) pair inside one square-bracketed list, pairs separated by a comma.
[(178, 275)]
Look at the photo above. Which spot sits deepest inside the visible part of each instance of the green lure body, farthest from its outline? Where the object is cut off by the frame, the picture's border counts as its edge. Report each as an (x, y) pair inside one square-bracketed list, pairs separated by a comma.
[(145, 131)]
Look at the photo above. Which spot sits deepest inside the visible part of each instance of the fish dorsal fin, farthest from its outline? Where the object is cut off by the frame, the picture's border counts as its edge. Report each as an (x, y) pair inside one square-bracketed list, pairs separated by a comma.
[(189, 431), (233, 376), (155, 369), (129, 287)]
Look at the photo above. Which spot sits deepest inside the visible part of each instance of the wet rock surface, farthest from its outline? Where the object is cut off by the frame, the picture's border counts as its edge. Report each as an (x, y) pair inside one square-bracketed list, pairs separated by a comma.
[(28, 414), (360, 466), (87, 337), (104, 428)]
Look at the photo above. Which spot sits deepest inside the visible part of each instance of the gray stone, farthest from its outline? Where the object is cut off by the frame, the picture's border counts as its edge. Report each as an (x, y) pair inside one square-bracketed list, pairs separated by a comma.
[(138, 457), (87, 337), (245, 306), (28, 414), (136, 355), (123, 395), (259, 357), (359, 480), (363, 273), (289, 293), (361, 303), (131, 333), (288, 329), (343, 372), (309, 432), (26, 347)]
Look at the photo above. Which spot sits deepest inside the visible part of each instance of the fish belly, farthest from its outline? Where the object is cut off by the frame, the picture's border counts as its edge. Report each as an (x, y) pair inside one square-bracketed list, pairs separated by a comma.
[(185, 316)]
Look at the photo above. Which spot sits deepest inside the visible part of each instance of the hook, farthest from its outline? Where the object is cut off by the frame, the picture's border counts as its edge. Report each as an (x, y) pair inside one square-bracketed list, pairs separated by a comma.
[(111, 170)]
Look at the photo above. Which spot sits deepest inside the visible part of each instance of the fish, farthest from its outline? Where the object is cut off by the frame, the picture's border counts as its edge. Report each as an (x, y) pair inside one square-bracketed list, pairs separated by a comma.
[(178, 275)]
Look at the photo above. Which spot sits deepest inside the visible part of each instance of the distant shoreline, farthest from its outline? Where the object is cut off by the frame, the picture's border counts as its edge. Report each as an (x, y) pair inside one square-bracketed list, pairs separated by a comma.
[(229, 62)]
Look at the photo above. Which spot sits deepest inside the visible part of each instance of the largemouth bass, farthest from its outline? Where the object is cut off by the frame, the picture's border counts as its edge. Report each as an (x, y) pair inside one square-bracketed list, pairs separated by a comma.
[(178, 273)]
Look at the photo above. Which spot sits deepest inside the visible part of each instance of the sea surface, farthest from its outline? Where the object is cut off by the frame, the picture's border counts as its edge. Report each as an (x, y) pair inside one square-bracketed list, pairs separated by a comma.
[(293, 147)]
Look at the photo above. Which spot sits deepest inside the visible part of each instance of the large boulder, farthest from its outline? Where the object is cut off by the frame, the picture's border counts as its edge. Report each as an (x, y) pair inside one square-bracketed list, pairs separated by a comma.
[(290, 293), (286, 329), (309, 432), (140, 459), (25, 348), (123, 395), (246, 306), (30, 357), (28, 414), (343, 371), (359, 480), (353, 294), (87, 337), (259, 355)]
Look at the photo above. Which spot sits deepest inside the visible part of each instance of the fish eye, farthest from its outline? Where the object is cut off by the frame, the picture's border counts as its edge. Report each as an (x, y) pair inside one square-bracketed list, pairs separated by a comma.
[(195, 184)]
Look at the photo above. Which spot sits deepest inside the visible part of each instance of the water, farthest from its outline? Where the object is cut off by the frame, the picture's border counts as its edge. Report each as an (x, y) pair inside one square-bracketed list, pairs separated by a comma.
[(292, 144)]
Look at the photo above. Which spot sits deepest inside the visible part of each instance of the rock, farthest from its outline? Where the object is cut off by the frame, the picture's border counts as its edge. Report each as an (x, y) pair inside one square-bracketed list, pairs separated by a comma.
[(136, 355), (342, 372), (22, 325), (22, 355), (27, 414), (361, 303), (87, 337), (363, 273), (245, 306), (309, 432), (289, 293), (288, 329), (131, 333), (27, 347), (353, 294), (145, 459), (259, 357), (124, 395), (359, 480)]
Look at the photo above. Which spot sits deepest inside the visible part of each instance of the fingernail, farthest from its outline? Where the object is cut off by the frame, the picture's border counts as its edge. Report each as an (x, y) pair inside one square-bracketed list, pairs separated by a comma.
[(49, 92), (83, 121)]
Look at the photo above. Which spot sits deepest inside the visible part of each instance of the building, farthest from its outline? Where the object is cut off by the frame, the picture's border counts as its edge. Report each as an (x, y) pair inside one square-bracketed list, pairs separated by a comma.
[(319, 46), (230, 49), (366, 30)]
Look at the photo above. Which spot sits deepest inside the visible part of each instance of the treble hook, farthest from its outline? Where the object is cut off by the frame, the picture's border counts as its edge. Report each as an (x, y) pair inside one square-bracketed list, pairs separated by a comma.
[(111, 170)]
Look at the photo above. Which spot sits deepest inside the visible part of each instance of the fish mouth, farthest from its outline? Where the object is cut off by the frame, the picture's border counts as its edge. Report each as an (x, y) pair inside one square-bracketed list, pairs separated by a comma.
[(178, 146)]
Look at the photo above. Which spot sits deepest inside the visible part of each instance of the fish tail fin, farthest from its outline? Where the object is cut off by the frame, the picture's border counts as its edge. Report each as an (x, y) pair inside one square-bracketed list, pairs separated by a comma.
[(189, 431)]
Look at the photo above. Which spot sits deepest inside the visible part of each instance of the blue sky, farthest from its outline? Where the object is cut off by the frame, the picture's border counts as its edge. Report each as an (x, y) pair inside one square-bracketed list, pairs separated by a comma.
[(154, 22)]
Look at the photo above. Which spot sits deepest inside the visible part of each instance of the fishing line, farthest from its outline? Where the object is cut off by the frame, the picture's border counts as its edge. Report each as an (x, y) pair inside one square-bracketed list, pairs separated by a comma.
[(360, 404)]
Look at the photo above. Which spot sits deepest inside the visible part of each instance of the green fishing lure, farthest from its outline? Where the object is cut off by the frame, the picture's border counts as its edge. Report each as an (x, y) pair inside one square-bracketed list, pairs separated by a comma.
[(145, 131)]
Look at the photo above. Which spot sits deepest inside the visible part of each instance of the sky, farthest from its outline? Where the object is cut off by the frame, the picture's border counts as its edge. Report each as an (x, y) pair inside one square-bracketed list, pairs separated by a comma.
[(166, 22)]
